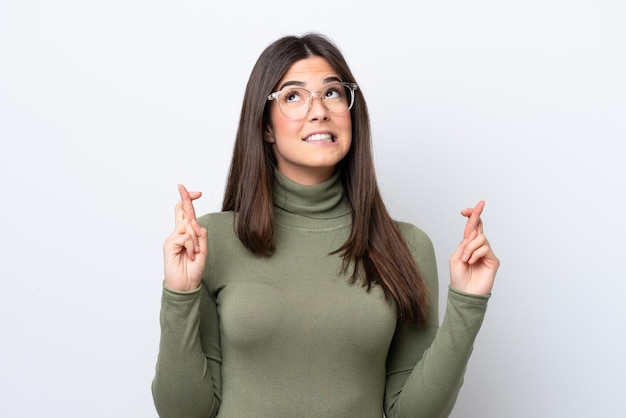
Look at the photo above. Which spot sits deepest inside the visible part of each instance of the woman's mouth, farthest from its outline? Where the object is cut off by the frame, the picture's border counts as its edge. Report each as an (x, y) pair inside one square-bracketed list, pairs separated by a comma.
[(319, 138)]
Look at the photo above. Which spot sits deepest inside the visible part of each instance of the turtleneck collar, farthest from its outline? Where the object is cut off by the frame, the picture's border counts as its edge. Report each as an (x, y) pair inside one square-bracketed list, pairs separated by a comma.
[(292, 201)]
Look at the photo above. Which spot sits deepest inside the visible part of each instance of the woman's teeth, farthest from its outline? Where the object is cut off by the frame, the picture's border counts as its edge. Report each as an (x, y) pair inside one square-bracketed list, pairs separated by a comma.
[(319, 138)]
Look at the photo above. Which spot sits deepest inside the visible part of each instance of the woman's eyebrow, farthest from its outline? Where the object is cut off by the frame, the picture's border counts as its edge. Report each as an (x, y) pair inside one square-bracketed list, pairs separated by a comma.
[(327, 80), (291, 83)]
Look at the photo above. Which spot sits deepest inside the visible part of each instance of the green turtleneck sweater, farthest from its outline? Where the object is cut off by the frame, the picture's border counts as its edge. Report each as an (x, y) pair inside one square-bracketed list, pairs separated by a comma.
[(288, 336)]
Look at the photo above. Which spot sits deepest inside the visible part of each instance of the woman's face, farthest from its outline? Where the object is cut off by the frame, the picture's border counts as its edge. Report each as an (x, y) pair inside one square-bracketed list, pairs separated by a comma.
[(307, 150)]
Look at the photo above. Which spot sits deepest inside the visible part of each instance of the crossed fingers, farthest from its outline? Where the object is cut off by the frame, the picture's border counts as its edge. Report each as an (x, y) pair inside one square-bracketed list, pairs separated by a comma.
[(184, 208), (474, 225), (186, 214)]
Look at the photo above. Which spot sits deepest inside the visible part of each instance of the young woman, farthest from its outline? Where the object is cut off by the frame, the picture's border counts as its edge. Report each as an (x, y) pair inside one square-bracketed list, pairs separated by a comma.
[(303, 298)]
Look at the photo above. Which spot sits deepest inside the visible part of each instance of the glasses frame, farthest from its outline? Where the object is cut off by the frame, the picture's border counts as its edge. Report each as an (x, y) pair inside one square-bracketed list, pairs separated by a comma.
[(313, 94)]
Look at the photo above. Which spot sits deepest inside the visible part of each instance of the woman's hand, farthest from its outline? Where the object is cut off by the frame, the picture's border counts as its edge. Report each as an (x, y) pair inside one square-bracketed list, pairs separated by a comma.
[(473, 265), (185, 250)]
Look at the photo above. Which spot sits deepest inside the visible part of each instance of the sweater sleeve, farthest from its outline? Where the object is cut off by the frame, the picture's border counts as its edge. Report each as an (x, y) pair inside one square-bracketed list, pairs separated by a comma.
[(187, 382), (425, 366)]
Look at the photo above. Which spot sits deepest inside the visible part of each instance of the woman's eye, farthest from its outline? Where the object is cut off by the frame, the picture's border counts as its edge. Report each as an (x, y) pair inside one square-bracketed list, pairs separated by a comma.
[(292, 96), (333, 93)]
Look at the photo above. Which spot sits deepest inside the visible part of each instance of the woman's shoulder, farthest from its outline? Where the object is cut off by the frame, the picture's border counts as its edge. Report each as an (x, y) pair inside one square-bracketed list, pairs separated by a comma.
[(423, 252), (222, 239), (414, 236), (217, 220)]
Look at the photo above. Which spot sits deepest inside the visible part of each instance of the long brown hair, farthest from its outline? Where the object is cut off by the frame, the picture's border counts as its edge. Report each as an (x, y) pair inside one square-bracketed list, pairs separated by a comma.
[(375, 245)]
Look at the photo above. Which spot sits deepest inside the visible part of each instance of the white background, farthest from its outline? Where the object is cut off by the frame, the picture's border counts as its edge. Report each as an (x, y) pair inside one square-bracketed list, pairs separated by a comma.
[(106, 105)]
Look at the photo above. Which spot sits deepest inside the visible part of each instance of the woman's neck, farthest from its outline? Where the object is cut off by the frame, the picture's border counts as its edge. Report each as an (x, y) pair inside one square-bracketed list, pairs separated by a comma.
[(309, 176)]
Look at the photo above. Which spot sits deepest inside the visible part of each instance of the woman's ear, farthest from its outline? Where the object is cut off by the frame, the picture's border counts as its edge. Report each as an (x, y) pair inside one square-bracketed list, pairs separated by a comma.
[(268, 135)]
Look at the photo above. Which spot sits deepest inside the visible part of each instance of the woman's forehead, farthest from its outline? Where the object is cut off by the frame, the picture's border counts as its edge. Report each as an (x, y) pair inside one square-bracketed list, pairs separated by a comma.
[(310, 70)]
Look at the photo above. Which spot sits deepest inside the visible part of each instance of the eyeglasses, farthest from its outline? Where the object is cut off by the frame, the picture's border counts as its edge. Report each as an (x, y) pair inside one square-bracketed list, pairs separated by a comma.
[(295, 102)]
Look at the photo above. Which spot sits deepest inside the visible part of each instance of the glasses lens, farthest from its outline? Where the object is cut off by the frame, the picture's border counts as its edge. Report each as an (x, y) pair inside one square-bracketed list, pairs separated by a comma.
[(337, 98), (294, 103)]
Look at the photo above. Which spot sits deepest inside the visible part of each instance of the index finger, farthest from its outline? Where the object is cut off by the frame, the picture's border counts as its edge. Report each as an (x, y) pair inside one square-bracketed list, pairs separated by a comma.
[(473, 220), (187, 204)]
